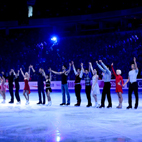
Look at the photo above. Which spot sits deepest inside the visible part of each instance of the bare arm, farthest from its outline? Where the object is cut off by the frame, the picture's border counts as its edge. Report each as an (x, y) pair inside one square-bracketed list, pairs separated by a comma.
[(91, 67), (82, 68), (22, 72), (3, 80), (13, 72), (29, 71), (122, 81), (43, 73), (136, 67), (68, 71), (81, 73), (50, 76), (33, 69), (59, 73), (126, 82), (6, 77), (74, 68), (18, 73)]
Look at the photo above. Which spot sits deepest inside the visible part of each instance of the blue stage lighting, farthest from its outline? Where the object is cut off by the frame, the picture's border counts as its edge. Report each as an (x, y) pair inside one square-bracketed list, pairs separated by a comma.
[(54, 39)]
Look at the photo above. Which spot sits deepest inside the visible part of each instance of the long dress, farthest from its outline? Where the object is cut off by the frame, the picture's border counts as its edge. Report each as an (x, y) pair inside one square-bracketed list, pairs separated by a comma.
[(118, 80), (96, 89), (27, 87)]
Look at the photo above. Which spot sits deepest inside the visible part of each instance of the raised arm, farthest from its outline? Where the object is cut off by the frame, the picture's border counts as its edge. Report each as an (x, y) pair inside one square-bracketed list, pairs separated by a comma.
[(22, 72), (6, 77), (3, 80), (136, 67), (13, 72), (18, 73), (104, 71), (113, 70), (82, 67), (50, 76), (32, 69), (90, 66), (68, 71), (105, 67), (81, 73), (43, 73), (29, 71), (75, 72)]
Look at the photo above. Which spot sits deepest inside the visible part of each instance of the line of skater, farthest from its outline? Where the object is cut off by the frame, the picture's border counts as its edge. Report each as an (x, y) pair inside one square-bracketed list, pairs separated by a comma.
[(89, 74)]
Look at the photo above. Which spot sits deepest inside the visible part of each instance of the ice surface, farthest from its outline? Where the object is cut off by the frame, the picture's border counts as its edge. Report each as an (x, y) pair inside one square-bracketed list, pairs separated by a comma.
[(33, 123)]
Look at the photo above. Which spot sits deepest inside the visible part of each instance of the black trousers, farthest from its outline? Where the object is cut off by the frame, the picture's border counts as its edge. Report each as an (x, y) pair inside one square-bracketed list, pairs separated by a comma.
[(11, 93), (106, 91), (17, 93), (77, 93), (133, 87), (41, 90), (88, 92)]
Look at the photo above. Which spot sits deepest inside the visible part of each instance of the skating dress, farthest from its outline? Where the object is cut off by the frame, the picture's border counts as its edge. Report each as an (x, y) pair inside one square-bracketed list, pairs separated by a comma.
[(48, 86), (96, 89), (119, 81), (27, 87)]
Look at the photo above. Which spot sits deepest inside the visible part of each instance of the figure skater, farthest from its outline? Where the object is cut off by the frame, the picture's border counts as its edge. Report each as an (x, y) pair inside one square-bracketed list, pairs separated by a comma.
[(17, 86), (41, 77), (3, 89), (107, 85), (48, 87), (10, 78), (132, 77), (95, 87), (119, 81), (26, 90), (87, 77), (64, 86), (78, 74)]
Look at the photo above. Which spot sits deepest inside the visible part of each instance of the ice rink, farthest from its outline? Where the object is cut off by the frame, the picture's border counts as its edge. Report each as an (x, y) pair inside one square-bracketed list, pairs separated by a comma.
[(40, 123)]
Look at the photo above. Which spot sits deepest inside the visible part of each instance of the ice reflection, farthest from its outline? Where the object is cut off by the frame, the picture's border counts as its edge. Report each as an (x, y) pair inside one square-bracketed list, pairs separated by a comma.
[(58, 136)]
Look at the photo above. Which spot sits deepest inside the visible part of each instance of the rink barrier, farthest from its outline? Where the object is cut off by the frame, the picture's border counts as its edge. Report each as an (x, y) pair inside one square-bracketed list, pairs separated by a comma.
[(56, 85)]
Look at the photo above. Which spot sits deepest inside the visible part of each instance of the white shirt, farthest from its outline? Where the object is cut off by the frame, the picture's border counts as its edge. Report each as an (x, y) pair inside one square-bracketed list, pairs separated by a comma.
[(133, 75), (75, 72)]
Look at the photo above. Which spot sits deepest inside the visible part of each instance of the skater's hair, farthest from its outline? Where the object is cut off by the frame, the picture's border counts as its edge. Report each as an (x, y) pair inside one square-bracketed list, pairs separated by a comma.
[(48, 75), (108, 66), (79, 69), (65, 66), (119, 71), (86, 69)]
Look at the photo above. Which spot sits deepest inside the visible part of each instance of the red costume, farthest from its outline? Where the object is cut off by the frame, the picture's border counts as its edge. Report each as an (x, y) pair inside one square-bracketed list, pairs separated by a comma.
[(27, 87), (119, 80)]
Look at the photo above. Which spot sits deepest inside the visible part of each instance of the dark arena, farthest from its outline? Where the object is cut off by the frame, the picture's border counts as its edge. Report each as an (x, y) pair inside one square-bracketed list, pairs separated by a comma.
[(70, 71)]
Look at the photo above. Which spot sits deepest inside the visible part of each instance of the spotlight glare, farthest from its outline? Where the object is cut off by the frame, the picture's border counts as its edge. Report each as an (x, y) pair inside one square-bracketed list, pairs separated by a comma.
[(54, 39)]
